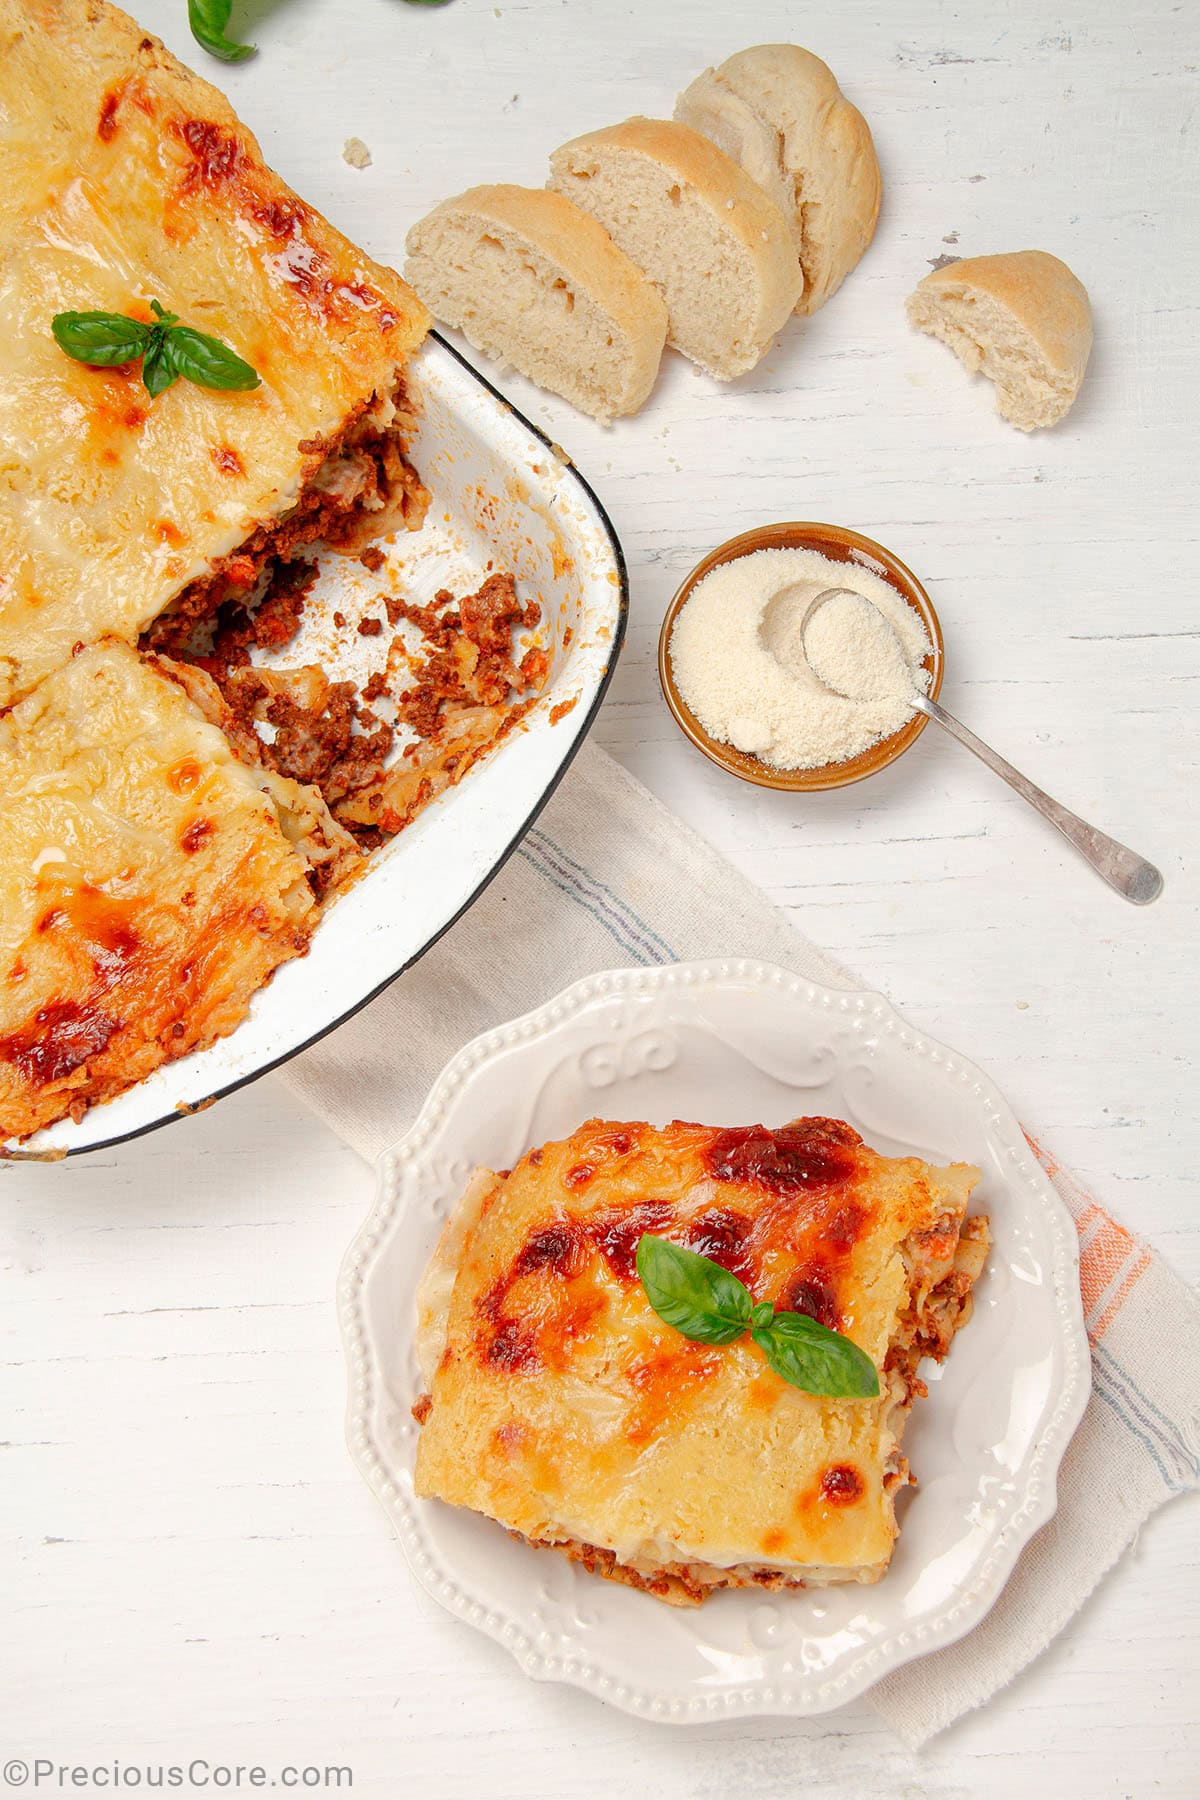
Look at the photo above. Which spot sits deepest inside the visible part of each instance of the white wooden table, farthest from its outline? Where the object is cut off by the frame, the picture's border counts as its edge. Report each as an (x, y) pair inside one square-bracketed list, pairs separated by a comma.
[(191, 1567)]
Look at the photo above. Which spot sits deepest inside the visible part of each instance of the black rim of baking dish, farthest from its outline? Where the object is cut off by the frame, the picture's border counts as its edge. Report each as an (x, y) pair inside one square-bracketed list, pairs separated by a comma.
[(221, 1093)]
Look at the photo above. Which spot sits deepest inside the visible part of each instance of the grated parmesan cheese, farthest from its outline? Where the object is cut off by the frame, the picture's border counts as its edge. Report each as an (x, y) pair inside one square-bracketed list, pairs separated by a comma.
[(850, 646), (741, 668)]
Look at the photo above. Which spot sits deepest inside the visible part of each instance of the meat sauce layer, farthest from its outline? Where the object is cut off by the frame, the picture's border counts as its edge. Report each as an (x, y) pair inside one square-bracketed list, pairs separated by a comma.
[(333, 734)]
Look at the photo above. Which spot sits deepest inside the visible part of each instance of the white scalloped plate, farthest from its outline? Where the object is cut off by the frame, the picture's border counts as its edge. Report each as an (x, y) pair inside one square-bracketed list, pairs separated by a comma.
[(734, 1043)]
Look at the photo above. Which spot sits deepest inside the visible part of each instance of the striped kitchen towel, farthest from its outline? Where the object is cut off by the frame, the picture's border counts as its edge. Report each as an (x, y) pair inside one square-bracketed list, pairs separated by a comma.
[(608, 877)]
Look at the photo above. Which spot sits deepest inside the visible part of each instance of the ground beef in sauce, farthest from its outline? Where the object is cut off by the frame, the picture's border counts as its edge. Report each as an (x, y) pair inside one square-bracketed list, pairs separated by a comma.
[(326, 734), (323, 732), (361, 480)]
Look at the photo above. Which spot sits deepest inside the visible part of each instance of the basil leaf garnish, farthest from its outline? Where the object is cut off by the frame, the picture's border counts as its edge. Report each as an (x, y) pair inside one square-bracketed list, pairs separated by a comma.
[(707, 1304), (158, 366), (812, 1357), (167, 348), (208, 20), (697, 1296), (103, 339), (207, 361)]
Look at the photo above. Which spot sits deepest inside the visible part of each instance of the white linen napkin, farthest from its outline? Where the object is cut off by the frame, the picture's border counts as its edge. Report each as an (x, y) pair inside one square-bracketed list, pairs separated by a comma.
[(606, 878)]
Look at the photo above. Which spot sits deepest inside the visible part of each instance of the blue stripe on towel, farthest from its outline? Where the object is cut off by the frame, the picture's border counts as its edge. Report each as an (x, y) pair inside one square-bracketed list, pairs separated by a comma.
[(571, 890), (619, 919), (1180, 1469), (1101, 1391)]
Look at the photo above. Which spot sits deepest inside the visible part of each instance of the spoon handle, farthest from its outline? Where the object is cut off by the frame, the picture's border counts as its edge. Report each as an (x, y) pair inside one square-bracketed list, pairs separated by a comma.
[(1130, 874)]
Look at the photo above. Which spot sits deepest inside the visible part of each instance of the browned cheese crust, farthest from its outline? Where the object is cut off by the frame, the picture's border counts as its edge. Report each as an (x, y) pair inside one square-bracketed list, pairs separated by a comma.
[(124, 178), (149, 885), (559, 1404)]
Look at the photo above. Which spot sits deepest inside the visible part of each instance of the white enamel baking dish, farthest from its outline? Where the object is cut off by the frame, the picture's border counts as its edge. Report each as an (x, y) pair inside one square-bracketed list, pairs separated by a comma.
[(503, 498)]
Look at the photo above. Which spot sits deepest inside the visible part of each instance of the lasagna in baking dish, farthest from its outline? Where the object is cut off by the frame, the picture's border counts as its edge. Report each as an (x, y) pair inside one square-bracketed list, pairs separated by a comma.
[(150, 880), (561, 1405), (125, 179), (141, 912)]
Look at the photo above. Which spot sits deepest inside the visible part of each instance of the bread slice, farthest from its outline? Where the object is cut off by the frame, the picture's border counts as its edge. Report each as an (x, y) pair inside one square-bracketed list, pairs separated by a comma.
[(1021, 319), (718, 250), (529, 277), (779, 112)]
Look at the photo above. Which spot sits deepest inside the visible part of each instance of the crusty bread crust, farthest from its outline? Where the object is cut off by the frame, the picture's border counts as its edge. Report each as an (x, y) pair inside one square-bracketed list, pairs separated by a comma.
[(1041, 292), (693, 158), (568, 235), (1044, 299), (737, 203), (583, 259), (806, 144), (697, 161)]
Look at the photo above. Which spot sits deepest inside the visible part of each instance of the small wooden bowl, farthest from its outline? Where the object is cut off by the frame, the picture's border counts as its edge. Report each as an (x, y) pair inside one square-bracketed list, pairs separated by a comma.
[(839, 545)]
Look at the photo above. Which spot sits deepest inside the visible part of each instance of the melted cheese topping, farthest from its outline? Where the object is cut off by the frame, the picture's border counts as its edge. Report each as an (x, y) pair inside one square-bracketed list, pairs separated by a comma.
[(562, 1406), (125, 178), (147, 887)]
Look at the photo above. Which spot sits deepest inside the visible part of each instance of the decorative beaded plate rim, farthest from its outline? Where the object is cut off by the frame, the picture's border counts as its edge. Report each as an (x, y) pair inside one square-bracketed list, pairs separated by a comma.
[(1034, 1502)]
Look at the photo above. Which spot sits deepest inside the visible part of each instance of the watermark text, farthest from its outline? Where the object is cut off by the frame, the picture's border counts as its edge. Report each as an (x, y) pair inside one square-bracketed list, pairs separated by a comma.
[(45, 1774)]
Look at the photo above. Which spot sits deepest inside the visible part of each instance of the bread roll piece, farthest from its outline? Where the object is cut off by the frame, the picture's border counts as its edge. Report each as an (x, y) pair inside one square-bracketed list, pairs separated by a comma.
[(779, 112), (530, 278), (1021, 319), (718, 250)]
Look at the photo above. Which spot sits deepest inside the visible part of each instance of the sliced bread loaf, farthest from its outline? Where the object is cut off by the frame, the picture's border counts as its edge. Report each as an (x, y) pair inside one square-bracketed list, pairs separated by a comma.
[(1021, 319), (779, 112), (530, 278), (718, 250)]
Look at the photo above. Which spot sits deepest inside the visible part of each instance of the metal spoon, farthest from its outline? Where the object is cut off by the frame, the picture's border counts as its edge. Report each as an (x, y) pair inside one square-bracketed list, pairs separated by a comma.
[(1131, 875)]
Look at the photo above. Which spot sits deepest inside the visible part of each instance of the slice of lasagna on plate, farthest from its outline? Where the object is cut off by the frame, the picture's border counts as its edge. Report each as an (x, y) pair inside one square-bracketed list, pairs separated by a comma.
[(150, 881), (561, 1405)]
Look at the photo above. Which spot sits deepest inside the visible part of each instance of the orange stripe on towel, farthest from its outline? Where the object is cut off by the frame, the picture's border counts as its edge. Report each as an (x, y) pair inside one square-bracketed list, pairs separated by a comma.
[(1104, 1254), (1111, 1260), (1098, 1327), (1048, 1162)]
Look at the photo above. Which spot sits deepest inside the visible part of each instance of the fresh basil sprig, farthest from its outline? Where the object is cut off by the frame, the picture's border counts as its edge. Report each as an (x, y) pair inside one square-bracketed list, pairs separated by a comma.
[(709, 1305), (208, 20), (167, 349), (207, 361), (102, 339), (697, 1296), (814, 1358)]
